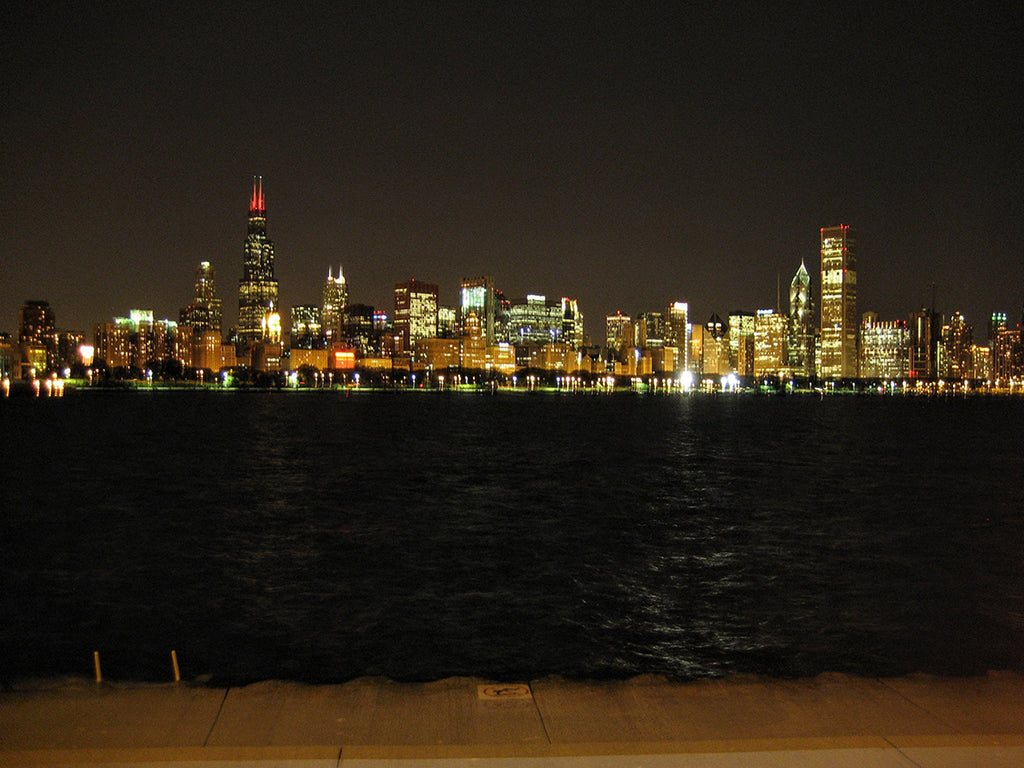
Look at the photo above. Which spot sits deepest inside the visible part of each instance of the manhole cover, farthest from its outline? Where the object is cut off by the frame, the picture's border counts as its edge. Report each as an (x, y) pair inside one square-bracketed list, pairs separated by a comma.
[(504, 691)]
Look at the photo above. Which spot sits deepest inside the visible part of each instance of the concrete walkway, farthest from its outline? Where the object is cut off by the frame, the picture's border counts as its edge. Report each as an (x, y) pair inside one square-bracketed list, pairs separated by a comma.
[(831, 720)]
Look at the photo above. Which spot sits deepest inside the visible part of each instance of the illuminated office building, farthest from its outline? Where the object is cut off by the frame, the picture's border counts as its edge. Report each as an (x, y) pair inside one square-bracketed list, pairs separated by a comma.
[(982, 362), (437, 355), (257, 290), (956, 359), (447, 322), (361, 332), (307, 327), (741, 343), (677, 332), (996, 323), (415, 313), (37, 335), (800, 352), (618, 331), (112, 343), (925, 331), (335, 301), (473, 349), (137, 341), (714, 347), (839, 323), (572, 323), (476, 296), (206, 311), (537, 320), (770, 332), (8, 359), (650, 330), (1008, 356), (884, 348)]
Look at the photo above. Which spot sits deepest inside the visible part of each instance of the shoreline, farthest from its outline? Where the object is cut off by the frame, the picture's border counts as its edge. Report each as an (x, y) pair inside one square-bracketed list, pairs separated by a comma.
[(77, 682), (457, 719), (898, 388)]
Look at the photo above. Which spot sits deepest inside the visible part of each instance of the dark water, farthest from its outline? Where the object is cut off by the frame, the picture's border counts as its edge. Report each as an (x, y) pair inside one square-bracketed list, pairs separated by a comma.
[(417, 536)]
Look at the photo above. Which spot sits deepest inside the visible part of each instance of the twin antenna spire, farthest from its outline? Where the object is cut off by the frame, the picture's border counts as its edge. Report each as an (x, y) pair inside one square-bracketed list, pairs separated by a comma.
[(256, 205)]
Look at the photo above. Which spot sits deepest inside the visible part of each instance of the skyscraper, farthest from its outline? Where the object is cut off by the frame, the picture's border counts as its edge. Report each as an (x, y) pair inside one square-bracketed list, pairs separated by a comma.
[(618, 331), (801, 324), (770, 331), (334, 304), (925, 332), (741, 343), (415, 312), (257, 290), (956, 358), (884, 348), (307, 327), (537, 320), (714, 347), (572, 323), (838, 302), (476, 296), (37, 335), (205, 311), (677, 332)]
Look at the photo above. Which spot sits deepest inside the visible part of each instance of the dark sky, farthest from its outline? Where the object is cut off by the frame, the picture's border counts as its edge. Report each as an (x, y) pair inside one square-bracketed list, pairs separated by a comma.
[(628, 158)]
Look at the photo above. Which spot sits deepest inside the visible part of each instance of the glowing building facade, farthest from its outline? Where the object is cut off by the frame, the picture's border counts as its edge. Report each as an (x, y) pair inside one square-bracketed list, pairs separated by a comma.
[(137, 341), (713, 347), (477, 297), (884, 348), (925, 331), (677, 332), (1008, 356), (257, 290), (37, 335), (839, 322), (650, 330), (618, 331), (572, 323), (800, 344), (741, 343), (770, 331), (956, 358), (335, 300), (307, 327), (205, 313), (415, 313), (537, 320)]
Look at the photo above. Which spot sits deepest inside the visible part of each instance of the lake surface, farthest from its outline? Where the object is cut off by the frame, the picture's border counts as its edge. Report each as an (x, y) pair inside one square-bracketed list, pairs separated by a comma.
[(322, 537)]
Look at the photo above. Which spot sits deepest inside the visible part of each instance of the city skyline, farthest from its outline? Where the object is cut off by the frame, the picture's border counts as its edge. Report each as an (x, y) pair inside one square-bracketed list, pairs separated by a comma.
[(258, 288), (627, 158), (258, 255)]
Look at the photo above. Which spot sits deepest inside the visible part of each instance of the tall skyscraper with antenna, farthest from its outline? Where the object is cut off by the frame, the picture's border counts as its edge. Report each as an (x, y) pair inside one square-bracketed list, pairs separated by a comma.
[(257, 290)]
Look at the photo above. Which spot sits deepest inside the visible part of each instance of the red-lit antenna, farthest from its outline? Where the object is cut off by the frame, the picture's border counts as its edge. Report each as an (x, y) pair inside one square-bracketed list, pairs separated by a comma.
[(256, 207)]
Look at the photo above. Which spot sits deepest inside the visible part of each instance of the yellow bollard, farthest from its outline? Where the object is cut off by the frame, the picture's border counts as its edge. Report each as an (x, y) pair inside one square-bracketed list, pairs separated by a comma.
[(174, 661), (96, 661)]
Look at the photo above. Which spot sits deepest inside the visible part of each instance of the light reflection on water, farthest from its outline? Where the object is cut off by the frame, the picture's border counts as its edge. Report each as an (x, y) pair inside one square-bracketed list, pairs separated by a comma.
[(323, 538)]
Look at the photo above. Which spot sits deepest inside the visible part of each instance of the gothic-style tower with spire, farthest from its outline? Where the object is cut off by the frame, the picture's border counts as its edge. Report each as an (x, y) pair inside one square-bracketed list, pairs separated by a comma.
[(335, 301), (257, 290)]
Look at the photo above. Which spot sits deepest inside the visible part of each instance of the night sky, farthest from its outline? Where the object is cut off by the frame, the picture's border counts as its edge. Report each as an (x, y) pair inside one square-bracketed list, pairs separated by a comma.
[(628, 158)]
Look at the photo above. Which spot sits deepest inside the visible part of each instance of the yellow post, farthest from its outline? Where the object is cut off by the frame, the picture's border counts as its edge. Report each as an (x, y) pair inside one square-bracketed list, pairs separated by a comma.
[(96, 661), (174, 661)]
